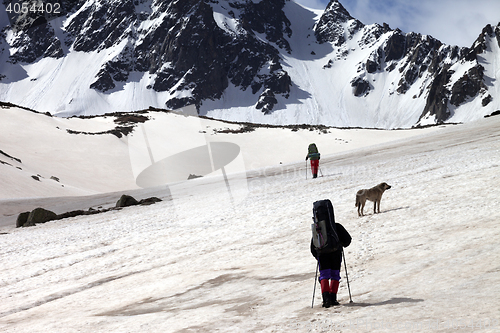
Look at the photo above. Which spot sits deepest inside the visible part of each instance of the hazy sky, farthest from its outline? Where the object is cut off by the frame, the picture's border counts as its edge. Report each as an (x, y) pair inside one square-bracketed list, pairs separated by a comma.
[(456, 22)]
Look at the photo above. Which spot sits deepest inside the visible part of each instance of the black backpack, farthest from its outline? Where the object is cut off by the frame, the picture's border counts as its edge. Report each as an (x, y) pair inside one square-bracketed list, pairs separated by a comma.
[(325, 238)]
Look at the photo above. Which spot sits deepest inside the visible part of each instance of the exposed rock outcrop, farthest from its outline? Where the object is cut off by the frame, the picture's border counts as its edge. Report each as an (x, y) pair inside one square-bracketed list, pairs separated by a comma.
[(41, 215)]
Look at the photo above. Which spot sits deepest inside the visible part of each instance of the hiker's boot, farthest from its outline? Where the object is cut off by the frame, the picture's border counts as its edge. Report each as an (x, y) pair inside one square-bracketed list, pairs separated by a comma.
[(315, 175), (334, 288), (325, 292), (326, 300), (333, 299)]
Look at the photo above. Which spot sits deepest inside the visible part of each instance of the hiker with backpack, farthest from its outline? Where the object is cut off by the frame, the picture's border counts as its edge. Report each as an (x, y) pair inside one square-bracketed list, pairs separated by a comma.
[(329, 239), (314, 155)]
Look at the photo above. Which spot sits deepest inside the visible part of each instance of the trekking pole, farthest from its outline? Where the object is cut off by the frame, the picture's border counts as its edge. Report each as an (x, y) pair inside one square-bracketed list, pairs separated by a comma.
[(315, 278), (321, 172), (347, 277)]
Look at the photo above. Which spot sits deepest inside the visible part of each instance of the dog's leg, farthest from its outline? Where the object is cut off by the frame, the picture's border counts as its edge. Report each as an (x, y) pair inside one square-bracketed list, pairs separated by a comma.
[(375, 207), (362, 207)]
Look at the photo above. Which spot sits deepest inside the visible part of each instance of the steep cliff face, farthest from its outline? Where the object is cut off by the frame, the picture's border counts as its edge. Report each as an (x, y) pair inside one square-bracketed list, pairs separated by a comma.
[(100, 56), (450, 90), (417, 58)]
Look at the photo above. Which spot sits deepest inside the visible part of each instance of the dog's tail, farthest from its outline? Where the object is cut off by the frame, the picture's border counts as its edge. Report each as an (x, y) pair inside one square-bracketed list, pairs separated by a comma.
[(358, 202)]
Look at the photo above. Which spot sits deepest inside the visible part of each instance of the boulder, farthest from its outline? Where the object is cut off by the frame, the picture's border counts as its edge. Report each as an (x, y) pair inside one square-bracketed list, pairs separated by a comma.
[(73, 213), (149, 201), (22, 219), (39, 215), (126, 201)]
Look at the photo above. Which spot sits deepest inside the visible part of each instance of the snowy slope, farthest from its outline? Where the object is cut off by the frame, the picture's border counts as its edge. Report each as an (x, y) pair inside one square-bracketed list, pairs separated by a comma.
[(195, 262), (85, 164), (81, 164)]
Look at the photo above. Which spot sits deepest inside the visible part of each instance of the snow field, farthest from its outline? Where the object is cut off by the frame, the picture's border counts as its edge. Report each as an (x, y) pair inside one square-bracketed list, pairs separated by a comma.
[(83, 167), (194, 262)]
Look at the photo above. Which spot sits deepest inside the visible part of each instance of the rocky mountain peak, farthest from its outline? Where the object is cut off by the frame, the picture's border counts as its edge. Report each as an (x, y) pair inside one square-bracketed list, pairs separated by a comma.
[(481, 43), (331, 26)]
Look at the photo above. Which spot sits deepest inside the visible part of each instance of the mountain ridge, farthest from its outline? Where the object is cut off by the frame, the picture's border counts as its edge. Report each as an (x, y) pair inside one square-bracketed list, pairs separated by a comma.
[(272, 62)]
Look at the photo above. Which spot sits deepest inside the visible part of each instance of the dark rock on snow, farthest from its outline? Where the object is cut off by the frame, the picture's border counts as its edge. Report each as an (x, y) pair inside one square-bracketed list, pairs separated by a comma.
[(149, 201), (41, 215), (126, 201), (22, 219)]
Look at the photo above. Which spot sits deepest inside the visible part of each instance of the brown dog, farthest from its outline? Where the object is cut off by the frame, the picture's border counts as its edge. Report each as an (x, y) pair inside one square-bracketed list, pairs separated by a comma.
[(373, 194)]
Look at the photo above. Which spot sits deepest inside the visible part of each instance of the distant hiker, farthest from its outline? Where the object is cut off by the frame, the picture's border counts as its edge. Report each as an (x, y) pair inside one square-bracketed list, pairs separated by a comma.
[(314, 155), (329, 239)]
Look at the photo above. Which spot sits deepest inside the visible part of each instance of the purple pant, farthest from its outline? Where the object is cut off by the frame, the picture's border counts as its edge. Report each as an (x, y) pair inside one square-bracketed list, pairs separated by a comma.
[(329, 274)]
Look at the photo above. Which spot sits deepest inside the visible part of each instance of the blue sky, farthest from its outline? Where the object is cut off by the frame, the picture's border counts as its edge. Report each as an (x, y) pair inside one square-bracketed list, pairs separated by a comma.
[(456, 22)]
